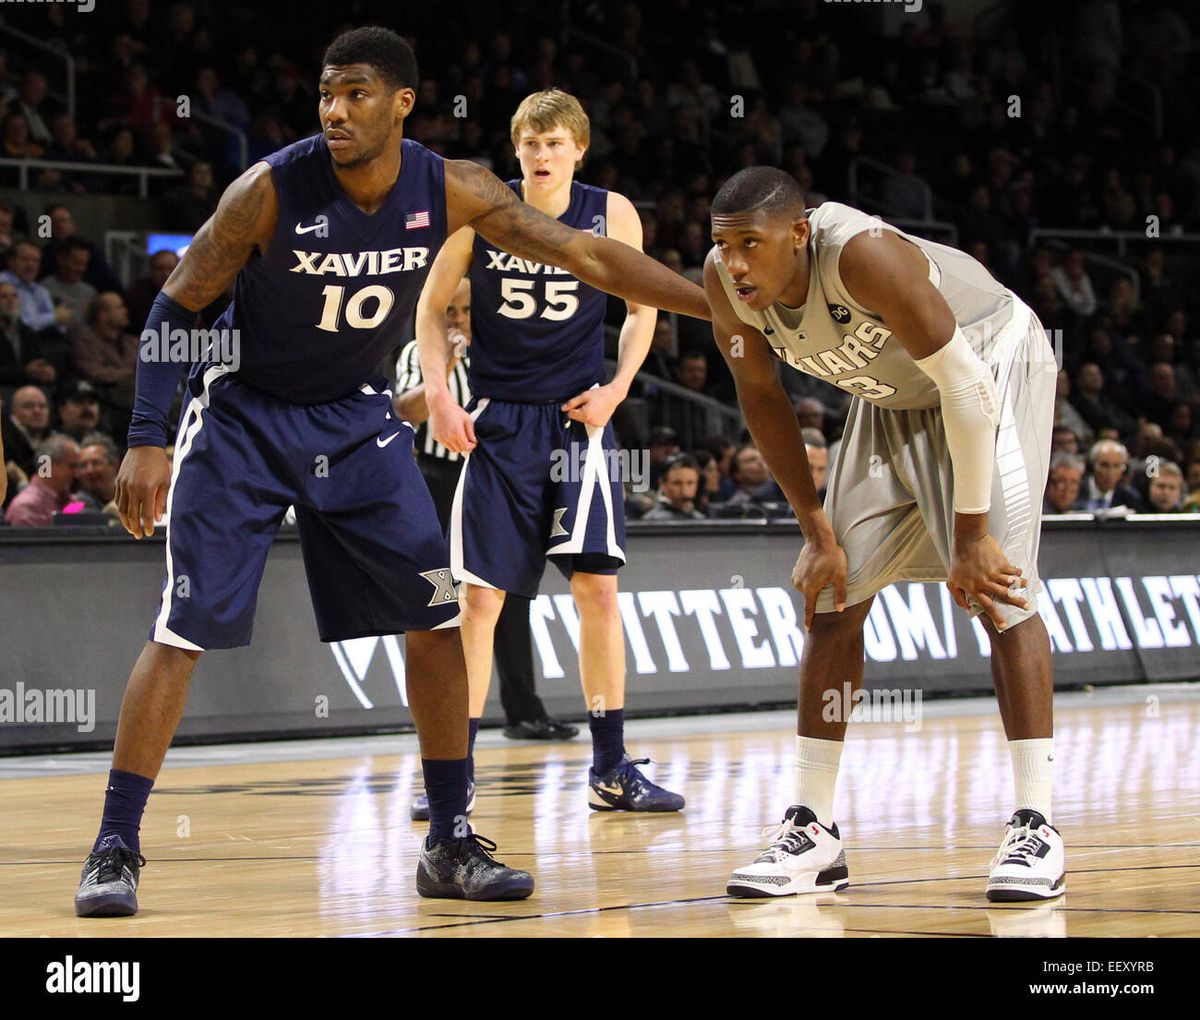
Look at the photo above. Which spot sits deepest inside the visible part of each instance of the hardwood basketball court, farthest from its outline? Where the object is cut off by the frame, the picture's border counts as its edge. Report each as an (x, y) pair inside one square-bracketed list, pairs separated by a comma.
[(313, 838)]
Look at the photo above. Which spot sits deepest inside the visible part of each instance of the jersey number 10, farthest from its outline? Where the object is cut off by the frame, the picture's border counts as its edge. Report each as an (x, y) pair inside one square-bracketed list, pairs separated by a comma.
[(331, 313), (519, 303)]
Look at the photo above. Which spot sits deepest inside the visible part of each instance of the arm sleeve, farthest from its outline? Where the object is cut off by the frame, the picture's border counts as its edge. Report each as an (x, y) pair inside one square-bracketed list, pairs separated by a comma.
[(157, 374), (971, 412)]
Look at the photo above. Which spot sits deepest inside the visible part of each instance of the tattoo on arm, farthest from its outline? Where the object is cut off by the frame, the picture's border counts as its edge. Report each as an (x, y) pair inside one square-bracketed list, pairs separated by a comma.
[(502, 218), (244, 220)]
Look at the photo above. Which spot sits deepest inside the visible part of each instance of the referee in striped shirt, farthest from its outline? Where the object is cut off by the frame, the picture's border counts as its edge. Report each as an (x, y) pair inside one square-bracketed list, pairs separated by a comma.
[(440, 466), (525, 713)]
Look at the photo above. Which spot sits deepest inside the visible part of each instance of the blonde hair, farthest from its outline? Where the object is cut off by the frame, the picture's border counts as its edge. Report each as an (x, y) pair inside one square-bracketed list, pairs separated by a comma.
[(543, 111)]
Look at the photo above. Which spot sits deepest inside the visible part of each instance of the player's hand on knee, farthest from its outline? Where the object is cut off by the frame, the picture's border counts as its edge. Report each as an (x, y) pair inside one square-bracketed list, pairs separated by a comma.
[(452, 427), (820, 564), (593, 407), (982, 573), (142, 485)]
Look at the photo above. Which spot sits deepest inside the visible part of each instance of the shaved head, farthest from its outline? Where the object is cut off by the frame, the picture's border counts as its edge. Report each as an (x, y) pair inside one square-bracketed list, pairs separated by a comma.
[(760, 188)]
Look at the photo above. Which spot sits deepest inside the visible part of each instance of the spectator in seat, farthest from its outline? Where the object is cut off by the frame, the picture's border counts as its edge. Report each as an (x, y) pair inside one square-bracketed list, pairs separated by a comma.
[(31, 102), (63, 229), (26, 424), (818, 459), (21, 360), (1064, 483), (67, 286), (38, 311), (1181, 425), (810, 413), (1165, 494), (1074, 285), (49, 487), (106, 354), (753, 481), (1065, 414), (187, 207), (15, 142), (1096, 407), (79, 411), (1105, 486), (710, 480), (120, 150), (1161, 394), (96, 470), (141, 295), (1191, 476), (1063, 440), (67, 146), (678, 487), (664, 444), (660, 361), (8, 213)]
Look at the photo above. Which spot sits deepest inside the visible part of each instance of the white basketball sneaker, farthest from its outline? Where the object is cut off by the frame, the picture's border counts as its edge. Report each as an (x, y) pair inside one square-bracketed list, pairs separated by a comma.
[(1031, 862), (803, 857)]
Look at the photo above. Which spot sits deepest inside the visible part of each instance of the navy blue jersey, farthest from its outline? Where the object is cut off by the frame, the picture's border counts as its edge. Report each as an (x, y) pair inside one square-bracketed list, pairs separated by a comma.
[(537, 332), (337, 288)]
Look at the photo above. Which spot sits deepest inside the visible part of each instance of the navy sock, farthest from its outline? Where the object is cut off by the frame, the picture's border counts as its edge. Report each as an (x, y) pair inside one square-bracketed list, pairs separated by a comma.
[(472, 733), (124, 802), (446, 787), (608, 739)]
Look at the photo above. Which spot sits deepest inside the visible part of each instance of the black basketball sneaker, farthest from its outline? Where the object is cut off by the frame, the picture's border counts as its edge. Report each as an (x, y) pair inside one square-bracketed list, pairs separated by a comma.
[(464, 869), (109, 880)]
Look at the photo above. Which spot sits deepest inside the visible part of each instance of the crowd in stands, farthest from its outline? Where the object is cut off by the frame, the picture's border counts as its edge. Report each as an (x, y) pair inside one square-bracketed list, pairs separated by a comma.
[(680, 95)]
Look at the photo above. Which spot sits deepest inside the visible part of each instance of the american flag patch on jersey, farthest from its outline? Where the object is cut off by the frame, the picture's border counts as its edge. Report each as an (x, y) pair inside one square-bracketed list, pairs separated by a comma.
[(413, 220)]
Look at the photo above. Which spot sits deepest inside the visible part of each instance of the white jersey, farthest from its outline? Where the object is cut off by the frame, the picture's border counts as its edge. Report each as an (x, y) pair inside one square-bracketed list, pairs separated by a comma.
[(834, 338)]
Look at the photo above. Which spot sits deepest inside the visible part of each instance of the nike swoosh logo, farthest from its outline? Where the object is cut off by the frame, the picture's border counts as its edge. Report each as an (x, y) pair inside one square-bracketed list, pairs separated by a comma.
[(308, 230), (381, 443)]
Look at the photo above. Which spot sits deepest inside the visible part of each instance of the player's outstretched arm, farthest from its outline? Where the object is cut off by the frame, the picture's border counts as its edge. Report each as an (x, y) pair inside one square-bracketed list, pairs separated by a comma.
[(477, 197), (773, 424), (891, 276), (596, 406), (244, 219), (449, 424)]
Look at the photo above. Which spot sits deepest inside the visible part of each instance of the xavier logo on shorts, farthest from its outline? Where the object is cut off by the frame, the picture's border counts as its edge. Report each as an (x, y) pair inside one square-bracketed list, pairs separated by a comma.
[(443, 584)]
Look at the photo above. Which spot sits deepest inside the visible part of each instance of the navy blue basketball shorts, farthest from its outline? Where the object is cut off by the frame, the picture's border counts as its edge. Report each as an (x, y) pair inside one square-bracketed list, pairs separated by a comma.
[(375, 557), (536, 485)]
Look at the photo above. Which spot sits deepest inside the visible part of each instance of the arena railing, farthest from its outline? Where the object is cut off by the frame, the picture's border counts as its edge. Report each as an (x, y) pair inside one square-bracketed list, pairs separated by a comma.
[(860, 199), (719, 418), (57, 54), (142, 173), (1120, 237), (229, 129)]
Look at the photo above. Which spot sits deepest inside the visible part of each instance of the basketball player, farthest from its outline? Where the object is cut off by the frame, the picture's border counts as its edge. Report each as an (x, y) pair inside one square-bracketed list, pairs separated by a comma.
[(538, 479), (937, 479), (328, 242), (440, 468)]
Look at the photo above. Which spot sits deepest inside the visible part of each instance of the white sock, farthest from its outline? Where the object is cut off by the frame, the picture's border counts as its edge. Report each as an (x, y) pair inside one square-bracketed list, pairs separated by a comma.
[(1032, 768), (816, 775)]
